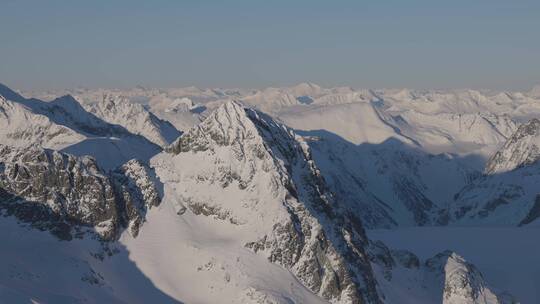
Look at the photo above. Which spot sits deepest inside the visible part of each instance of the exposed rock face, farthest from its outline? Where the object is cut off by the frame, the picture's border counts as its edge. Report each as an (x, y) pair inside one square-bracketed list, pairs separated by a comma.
[(521, 149), (60, 191), (280, 200), (72, 188), (445, 278), (463, 283), (136, 191), (508, 192), (135, 118)]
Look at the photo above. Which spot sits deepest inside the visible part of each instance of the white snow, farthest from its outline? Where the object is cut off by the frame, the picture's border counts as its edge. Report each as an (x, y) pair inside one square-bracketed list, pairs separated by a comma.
[(509, 258), (199, 260), (377, 148)]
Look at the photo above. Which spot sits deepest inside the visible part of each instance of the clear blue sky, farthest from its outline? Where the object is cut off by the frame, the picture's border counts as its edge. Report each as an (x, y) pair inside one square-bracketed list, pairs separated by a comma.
[(370, 44)]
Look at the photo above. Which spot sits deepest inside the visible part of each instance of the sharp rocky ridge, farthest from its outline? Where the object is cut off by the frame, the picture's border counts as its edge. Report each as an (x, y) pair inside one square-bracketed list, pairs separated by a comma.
[(507, 193), (445, 278), (252, 185), (70, 195), (135, 118), (521, 149), (281, 198)]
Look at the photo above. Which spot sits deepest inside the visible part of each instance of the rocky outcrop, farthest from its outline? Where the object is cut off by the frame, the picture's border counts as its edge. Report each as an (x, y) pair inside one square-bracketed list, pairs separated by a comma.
[(64, 193), (136, 191), (73, 189), (521, 149), (447, 277), (463, 282), (271, 173), (507, 193)]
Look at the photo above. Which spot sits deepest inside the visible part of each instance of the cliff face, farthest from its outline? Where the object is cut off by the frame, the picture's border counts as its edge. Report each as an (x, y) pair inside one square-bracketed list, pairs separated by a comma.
[(522, 148), (73, 191), (244, 168)]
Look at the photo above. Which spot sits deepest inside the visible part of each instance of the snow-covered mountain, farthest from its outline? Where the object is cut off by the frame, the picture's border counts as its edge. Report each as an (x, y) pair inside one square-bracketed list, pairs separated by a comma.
[(521, 149), (451, 121), (444, 278), (20, 126), (242, 208), (135, 118), (64, 124), (64, 193), (390, 184), (255, 181), (508, 193)]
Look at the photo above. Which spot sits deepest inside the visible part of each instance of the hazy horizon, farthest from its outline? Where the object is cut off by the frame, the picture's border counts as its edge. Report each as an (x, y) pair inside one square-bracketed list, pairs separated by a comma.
[(247, 44)]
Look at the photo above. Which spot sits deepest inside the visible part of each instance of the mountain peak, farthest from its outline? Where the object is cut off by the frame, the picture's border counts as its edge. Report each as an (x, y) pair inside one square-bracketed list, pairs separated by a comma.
[(229, 123), (247, 171), (231, 106), (136, 118), (305, 89), (464, 283), (9, 94), (521, 149)]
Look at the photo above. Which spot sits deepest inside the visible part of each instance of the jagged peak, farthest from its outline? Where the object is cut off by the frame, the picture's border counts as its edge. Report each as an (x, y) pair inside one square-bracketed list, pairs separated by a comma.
[(115, 99), (522, 148), (122, 104), (230, 107), (9, 94), (67, 101), (226, 124), (233, 123), (531, 127), (464, 283)]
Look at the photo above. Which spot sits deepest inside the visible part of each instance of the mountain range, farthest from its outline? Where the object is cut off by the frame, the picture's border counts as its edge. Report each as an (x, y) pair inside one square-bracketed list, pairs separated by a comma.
[(263, 196)]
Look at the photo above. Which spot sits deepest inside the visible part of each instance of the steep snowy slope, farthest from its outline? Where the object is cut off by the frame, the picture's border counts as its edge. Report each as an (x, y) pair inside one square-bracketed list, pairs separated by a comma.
[(510, 198), (286, 220), (508, 257), (85, 210), (135, 118), (37, 267), (20, 127), (356, 122), (458, 121), (455, 132), (390, 183), (64, 124), (521, 149), (452, 121), (444, 278), (253, 184), (508, 193), (252, 212)]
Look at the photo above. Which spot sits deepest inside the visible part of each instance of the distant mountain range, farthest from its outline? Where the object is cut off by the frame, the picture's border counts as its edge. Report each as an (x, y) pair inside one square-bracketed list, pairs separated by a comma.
[(257, 196)]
